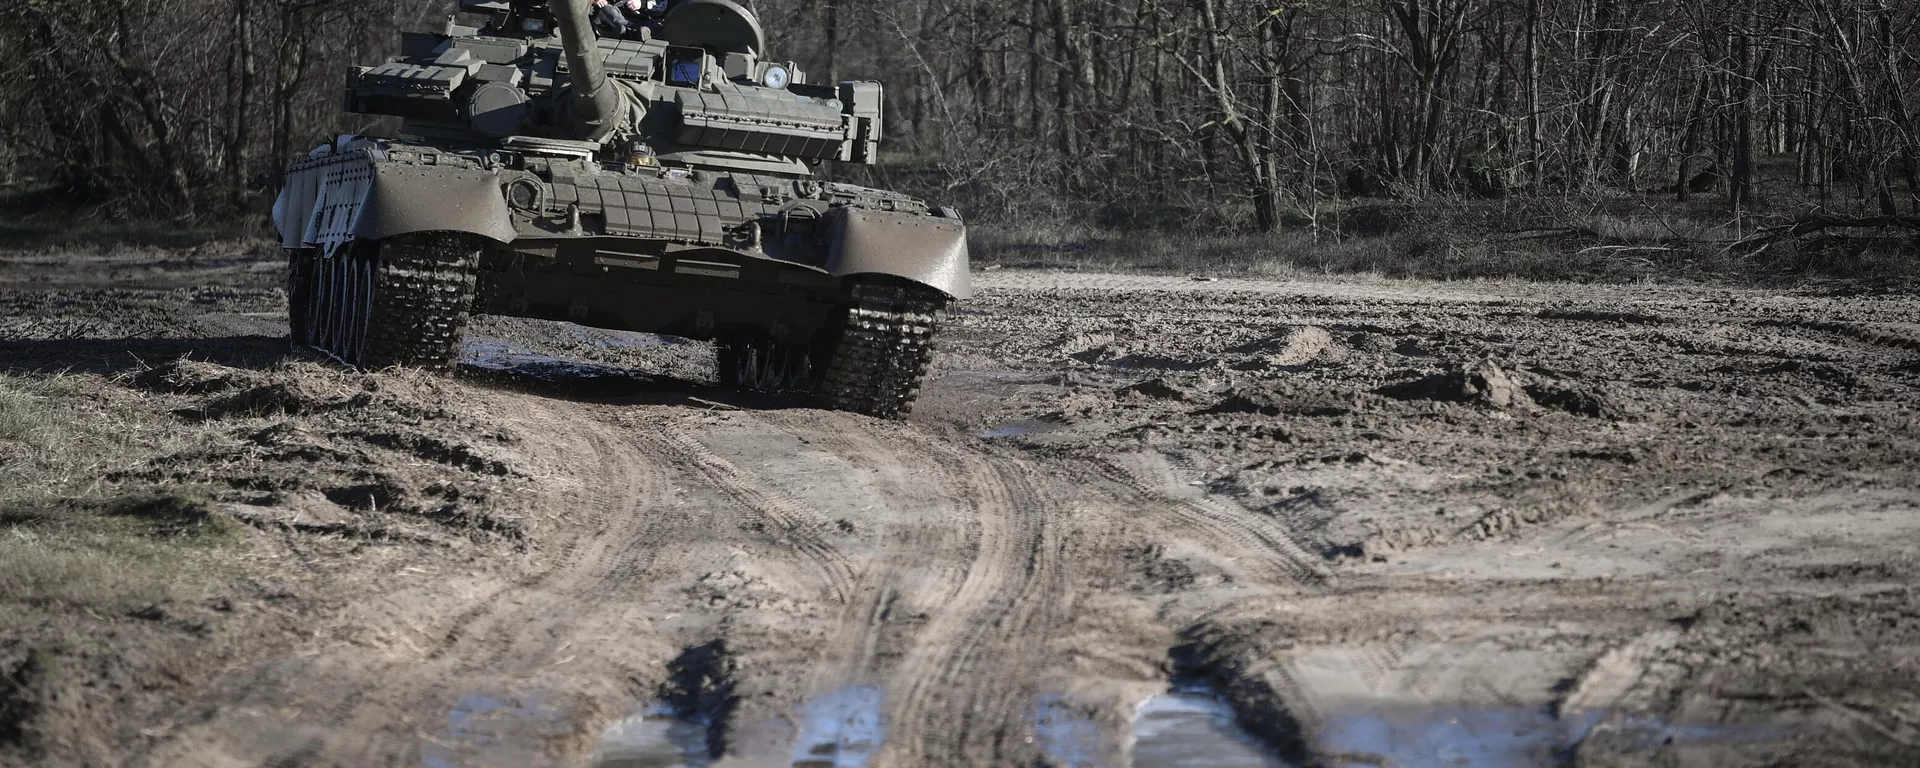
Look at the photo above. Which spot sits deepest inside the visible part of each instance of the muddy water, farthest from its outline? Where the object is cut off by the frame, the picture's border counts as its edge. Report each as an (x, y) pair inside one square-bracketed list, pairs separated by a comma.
[(505, 729), (654, 740), (1018, 429), (842, 729), (1514, 738), (1191, 727)]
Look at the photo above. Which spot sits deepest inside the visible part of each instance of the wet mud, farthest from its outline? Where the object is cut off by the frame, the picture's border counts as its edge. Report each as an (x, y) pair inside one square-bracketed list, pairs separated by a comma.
[(1135, 522)]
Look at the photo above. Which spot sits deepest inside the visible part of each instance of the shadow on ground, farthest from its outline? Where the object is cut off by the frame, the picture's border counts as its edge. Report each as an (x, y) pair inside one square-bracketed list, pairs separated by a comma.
[(576, 381), (559, 379)]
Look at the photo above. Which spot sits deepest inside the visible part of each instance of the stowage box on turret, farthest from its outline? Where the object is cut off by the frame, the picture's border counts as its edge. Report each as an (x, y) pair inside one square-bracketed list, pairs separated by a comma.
[(659, 181)]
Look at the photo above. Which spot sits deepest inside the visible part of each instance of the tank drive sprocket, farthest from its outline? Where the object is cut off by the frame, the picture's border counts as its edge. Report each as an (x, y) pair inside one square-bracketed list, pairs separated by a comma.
[(400, 301)]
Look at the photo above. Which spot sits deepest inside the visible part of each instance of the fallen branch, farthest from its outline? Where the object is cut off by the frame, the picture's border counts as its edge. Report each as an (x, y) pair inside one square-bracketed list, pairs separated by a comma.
[(1544, 233), (1625, 249), (1819, 223)]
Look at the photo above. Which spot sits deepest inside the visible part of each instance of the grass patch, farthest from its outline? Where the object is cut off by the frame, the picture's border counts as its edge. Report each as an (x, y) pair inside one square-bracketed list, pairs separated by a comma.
[(182, 516), (71, 537), (1624, 238), (63, 435), (101, 235), (97, 571)]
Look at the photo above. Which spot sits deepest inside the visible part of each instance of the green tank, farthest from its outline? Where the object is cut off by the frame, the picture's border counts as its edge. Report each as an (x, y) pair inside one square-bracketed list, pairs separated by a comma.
[(659, 181)]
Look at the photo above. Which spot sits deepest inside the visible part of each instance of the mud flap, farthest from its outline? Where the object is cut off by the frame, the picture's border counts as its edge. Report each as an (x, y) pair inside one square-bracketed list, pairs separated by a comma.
[(925, 249)]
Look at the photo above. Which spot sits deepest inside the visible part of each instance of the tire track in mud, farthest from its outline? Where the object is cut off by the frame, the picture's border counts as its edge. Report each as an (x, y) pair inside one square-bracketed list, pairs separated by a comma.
[(790, 520), (608, 511), (611, 551), (1253, 542), (945, 707), (339, 705), (1858, 332), (868, 611), (962, 689)]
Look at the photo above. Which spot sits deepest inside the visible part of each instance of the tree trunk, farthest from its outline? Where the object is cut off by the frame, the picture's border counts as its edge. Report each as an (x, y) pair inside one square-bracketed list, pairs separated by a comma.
[(1740, 191), (1536, 167)]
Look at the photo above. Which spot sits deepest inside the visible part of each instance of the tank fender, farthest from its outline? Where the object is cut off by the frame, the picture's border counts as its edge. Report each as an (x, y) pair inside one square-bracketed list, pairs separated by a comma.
[(330, 200), (407, 199), (925, 249)]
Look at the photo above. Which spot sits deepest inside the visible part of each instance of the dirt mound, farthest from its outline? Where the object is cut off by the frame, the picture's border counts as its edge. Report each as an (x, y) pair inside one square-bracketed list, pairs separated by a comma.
[(1161, 389), (1372, 343), (1483, 382), (1578, 400), (387, 455), (1075, 344), (290, 397), (1277, 402), (227, 392), (1296, 347), (192, 377)]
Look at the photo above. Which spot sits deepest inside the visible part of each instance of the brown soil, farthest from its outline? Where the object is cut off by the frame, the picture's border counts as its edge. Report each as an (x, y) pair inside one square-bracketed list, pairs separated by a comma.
[(1619, 526)]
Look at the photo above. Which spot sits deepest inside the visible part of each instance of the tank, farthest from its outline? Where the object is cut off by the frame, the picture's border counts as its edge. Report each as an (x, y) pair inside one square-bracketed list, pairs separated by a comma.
[(662, 180)]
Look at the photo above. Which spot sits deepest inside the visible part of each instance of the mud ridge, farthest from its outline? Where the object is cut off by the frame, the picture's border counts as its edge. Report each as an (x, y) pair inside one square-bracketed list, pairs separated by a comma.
[(1208, 657)]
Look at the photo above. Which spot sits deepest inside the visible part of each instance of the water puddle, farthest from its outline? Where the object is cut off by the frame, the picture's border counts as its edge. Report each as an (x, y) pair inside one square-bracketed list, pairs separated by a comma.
[(842, 729), (490, 354), (608, 339), (1066, 737), (657, 739), (1483, 739), (501, 728), (1192, 727), (1019, 429), (514, 362), (1498, 738)]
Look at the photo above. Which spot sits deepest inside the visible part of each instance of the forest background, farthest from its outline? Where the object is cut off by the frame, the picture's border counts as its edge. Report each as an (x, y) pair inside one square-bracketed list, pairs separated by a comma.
[(1579, 139)]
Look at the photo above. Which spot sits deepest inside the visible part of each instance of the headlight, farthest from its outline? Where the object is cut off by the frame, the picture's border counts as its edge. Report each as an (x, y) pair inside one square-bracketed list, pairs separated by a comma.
[(776, 76), (533, 26)]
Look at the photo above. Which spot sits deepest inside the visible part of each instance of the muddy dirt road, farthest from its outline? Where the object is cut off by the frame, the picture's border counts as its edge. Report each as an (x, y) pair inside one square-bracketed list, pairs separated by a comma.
[(1346, 523)]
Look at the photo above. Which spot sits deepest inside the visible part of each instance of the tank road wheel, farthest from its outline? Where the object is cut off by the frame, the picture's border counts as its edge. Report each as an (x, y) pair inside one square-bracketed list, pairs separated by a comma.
[(885, 346), (764, 365), (400, 301)]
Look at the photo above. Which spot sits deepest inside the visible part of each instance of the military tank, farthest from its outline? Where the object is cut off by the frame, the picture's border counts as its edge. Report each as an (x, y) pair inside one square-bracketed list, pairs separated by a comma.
[(662, 181)]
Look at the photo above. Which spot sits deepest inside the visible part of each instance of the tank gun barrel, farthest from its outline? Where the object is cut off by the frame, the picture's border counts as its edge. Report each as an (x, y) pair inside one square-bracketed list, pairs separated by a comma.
[(597, 105)]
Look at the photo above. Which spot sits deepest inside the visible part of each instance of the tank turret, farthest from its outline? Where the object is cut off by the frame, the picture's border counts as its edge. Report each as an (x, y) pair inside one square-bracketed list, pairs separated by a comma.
[(694, 90)]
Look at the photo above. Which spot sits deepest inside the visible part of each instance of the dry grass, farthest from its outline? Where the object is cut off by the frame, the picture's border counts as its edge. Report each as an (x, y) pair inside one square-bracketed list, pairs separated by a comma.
[(61, 435), (108, 572), (1620, 239), (69, 534)]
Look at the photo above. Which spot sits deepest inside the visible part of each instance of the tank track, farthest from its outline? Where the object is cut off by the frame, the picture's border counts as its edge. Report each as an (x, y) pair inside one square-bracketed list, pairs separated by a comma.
[(401, 301), (426, 291), (885, 347)]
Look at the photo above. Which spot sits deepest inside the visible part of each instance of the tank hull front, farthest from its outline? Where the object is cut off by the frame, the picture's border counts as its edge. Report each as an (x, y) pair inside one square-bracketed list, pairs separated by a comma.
[(655, 286)]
